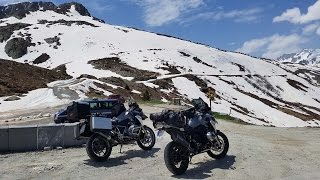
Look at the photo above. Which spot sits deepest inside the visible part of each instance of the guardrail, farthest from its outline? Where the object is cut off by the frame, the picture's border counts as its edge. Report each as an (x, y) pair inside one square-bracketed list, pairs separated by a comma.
[(31, 138)]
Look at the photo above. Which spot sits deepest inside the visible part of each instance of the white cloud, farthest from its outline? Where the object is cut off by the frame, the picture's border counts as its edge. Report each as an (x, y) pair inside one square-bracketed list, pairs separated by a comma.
[(160, 12), (273, 46), (248, 15), (311, 28), (295, 16)]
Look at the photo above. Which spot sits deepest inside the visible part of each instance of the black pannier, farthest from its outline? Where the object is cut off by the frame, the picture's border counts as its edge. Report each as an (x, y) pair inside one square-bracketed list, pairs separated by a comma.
[(168, 117), (77, 111)]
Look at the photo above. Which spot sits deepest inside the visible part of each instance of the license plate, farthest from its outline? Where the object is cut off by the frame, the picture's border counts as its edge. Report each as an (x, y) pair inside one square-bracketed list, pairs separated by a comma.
[(160, 133)]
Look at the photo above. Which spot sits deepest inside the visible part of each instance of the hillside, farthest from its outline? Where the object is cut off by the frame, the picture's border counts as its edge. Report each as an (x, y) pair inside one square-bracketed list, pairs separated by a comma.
[(18, 78), (105, 59)]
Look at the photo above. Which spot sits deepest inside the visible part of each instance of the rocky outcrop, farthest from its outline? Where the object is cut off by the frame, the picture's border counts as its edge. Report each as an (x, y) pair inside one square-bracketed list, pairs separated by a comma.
[(7, 31), (20, 10), (17, 47)]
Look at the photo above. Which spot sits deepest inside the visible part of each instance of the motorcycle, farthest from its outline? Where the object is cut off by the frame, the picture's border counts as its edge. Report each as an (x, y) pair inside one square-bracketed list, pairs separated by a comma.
[(193, 131), (127, 128)]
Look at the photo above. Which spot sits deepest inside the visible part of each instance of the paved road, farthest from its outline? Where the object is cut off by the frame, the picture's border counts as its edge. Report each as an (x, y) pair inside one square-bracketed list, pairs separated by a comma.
[(255, 153)]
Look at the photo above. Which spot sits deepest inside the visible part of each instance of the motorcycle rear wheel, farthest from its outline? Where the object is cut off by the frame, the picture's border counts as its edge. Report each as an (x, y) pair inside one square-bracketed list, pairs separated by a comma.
[(146, 139), (176, 158), (221, 151), (98, 148)]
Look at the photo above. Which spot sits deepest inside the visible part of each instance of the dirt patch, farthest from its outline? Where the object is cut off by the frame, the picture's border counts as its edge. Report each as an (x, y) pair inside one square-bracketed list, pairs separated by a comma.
[(62, 70), (164, 83), (86, 76), (66, 23), (126, 87), (114, 64), (196, 59), (18, 78), (241, 67), (184, 54), (297, 85), (306, 116), (261, 83)]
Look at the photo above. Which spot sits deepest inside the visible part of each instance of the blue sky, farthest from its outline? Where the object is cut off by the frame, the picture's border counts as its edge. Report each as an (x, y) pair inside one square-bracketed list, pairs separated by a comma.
[(264, 28)]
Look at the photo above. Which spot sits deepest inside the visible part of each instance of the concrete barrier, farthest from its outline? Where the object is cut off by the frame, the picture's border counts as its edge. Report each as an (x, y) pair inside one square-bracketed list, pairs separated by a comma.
[(50, 136), (23, 138), (30, 138), (4, 139), (71, 132)]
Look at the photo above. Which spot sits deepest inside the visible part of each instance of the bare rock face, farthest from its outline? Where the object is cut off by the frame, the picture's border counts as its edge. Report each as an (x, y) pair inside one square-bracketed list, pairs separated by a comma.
[(17, 47), (20, 10), (64, 8)]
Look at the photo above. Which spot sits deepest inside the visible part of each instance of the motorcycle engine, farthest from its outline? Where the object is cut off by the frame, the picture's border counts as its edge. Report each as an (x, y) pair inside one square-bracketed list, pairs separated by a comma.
[(133, 130)]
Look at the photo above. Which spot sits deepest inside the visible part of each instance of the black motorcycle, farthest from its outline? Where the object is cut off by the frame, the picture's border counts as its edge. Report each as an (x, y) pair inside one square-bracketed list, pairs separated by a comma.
[(193, 131), (127, 128)]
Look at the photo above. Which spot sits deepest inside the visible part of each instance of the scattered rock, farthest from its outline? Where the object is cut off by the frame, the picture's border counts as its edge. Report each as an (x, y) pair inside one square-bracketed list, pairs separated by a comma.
[(47, 115), (59, 148), (52, 40), (12, 98), (49, 148), (41, 59), (7, 31)]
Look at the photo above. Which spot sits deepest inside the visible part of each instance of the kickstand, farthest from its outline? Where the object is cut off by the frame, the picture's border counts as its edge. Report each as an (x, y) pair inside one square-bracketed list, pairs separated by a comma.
[(121, 148)]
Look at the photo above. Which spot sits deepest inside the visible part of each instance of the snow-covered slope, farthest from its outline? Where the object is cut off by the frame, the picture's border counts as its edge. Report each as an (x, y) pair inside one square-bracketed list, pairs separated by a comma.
[(256, 91), (305, 57)]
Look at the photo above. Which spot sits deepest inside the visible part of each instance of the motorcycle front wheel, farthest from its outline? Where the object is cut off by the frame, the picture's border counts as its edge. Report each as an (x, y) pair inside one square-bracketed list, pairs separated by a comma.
[(219, 149), (147, 139), (176, 158), (98, 148)]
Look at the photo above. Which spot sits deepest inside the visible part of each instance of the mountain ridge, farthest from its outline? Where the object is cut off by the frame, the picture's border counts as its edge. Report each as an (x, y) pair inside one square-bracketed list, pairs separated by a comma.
[(304, 57)]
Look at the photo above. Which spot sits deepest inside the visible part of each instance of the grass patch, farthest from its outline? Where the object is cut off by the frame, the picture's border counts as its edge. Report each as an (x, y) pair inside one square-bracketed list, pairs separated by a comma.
[(226, 117)]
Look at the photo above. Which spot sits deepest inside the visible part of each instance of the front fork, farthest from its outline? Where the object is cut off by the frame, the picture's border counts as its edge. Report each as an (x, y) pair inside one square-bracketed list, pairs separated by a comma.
[(212, 136)]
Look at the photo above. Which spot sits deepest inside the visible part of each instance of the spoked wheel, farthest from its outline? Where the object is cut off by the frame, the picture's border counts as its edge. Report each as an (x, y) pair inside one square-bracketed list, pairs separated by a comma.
[(146, 139), (219, 149), (98, 148), (176, 158)]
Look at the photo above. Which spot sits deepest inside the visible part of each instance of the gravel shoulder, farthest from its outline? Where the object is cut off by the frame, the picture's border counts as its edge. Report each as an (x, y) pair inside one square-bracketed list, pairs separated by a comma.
[(255, 153)]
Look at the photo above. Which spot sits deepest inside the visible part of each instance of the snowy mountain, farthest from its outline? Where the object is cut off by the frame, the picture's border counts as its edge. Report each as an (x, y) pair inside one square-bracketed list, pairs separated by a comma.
[(305, 57), (104, 59)]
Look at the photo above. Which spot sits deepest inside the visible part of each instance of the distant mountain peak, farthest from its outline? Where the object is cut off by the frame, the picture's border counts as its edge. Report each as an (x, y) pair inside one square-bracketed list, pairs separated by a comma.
[(20, 10), (304, 57)]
